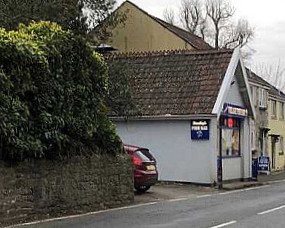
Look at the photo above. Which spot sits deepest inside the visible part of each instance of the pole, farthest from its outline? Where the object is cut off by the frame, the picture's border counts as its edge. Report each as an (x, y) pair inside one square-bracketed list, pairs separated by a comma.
[(220, 163)]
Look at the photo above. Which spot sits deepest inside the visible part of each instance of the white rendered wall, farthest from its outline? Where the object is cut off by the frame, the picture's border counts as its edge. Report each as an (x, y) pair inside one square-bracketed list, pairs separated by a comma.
[(179, 158)]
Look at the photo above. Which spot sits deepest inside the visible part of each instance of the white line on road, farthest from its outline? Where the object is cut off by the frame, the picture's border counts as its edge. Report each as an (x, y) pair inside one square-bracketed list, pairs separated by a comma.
[(80, 215), (243, 190), (271, 210), (204, 196), (224, 224), (179, 199)]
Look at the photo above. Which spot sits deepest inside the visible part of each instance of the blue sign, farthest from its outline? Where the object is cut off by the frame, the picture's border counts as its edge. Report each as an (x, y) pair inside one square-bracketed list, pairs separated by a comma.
[(234, 111), (263, 163), (200, 129)]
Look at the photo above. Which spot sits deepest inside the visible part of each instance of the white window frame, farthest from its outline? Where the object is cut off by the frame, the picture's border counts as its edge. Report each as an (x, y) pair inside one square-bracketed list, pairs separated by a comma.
[(281, 145), (273, 109), (262, 98), (281, 107)]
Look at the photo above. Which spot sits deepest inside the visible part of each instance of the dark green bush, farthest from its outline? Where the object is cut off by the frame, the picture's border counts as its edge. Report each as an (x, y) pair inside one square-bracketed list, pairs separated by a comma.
[(53, 88)]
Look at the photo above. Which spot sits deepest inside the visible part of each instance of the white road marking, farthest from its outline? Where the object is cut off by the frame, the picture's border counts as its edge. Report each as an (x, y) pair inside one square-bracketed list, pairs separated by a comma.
[(80, 215), (204, 196), (276, 181), (254, 188), (179, 199), (243, 190), (271, 210), (224, 224)]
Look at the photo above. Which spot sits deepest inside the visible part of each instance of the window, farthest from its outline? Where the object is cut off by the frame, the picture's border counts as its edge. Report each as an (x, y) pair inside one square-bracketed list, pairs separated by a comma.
[(262, 98), (230, 136), (281, 149), (282, 110), (273, 109), (252, 139)]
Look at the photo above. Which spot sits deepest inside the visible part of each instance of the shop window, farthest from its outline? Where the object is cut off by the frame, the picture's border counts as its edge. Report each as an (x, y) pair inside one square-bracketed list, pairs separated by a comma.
[(273, 109), (282, 110), (230, 136), (262, 98)]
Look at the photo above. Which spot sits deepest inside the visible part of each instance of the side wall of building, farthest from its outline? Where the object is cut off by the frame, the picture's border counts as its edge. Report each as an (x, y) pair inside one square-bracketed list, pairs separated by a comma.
[(179, 157), (277, 127), (140, 32), (259, 144)]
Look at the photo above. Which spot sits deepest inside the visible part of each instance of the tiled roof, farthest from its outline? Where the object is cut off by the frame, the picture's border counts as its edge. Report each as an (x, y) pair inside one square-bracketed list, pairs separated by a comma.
[(195, 41), (175, 82), (259, 80), (253, 77)]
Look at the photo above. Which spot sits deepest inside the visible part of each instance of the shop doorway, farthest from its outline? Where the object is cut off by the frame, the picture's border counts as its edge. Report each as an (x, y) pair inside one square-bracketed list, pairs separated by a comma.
[(274, 140)]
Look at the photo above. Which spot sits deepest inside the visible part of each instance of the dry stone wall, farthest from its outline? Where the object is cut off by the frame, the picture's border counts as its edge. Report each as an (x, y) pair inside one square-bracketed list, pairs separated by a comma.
[(40, 189)]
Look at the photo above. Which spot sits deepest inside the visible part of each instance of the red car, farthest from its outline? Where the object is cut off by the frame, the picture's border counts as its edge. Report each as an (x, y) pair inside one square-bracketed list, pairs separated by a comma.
[(145, 171)]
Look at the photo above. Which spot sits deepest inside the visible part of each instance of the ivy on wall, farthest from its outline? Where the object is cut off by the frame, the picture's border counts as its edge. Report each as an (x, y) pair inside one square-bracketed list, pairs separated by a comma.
[(53, 88)]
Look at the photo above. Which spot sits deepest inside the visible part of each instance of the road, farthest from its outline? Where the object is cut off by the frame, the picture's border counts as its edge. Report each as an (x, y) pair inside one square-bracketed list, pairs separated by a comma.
[(253, 207)]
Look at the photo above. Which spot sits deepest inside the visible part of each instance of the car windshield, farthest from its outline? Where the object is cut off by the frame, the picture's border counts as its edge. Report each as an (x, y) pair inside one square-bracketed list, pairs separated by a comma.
[(144, 155)]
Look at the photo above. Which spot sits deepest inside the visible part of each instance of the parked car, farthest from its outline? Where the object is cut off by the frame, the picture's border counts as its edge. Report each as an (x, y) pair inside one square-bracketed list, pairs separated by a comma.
[(145, 170)]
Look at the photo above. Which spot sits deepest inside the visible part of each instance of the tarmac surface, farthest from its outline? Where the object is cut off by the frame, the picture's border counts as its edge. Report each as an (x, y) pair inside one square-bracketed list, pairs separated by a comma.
[(178, 206), (175, 191)]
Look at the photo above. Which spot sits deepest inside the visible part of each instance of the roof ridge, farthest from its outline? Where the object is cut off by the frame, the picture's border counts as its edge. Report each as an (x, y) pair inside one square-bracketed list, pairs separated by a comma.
[(181, 29), (162, 22), (165, 52)]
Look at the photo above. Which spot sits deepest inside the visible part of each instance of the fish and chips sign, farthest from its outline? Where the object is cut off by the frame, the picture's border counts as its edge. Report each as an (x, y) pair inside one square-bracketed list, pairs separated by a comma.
[(200, 129), (234, 111)]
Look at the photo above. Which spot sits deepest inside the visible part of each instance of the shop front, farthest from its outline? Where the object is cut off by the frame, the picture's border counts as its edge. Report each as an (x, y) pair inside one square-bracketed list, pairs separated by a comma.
[(233, 126)]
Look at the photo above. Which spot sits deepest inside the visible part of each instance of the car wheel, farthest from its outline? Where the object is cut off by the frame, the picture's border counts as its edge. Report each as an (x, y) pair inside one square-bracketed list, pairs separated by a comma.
[(142, 189)]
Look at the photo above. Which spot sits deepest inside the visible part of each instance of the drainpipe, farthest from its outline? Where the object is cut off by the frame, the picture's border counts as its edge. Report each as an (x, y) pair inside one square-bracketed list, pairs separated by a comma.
[(263, 144)]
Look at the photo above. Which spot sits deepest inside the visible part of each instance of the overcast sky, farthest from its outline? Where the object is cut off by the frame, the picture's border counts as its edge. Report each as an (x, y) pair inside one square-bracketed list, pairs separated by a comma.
[(267, 17)]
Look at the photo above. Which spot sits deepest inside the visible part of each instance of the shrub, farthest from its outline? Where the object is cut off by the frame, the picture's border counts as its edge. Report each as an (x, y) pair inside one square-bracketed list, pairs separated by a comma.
[(53, 88)]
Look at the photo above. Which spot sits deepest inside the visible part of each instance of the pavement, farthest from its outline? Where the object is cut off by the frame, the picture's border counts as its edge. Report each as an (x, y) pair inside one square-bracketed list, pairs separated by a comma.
[(178, 191), (262, 179)]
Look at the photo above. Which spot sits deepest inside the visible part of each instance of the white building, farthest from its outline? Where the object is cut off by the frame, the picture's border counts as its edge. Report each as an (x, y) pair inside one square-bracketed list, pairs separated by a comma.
[(194, 106)]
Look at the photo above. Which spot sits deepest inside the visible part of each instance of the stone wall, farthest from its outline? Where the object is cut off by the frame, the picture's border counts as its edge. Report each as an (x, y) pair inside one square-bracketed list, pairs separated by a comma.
[(42, 189)]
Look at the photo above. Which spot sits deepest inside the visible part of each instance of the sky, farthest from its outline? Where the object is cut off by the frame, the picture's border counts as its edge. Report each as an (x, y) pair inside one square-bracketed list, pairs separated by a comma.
[(267, 18)]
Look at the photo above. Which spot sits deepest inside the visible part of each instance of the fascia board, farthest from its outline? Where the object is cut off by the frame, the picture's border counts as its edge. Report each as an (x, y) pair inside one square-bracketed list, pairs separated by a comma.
[(226, 83), (247, 88)]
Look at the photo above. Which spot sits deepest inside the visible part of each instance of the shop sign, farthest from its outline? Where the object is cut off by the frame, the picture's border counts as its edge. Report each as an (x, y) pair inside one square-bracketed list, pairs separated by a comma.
[(200, 129), (234, 110), (263, 163)]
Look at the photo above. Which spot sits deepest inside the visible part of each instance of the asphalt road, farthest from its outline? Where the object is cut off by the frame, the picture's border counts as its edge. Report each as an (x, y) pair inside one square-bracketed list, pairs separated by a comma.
[(254, 207)]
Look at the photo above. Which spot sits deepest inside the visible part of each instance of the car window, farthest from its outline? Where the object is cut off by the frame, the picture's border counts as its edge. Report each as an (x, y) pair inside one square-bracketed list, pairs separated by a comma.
[(144, 155)]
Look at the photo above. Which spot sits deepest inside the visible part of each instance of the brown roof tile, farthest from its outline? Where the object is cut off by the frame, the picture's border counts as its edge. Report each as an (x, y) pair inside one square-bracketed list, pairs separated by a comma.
[(253, 77), (175, 82), (194, 40)]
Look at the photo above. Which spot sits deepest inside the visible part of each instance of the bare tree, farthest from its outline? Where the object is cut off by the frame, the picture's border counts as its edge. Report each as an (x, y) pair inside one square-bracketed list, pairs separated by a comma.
[(191, 15), (169, 16), (274, 74), (212, 21), (219, 12), (238, 35)]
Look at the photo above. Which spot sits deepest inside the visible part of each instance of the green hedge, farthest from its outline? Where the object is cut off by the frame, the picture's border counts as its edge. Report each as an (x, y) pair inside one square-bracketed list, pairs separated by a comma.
[(53, 88)]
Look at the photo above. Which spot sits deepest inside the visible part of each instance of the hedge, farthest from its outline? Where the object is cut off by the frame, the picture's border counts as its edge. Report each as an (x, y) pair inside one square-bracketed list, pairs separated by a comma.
[(53, 88)]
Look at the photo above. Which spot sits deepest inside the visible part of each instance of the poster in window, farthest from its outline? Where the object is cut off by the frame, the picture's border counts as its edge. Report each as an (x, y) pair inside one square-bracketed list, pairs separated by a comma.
[(200, 129)]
